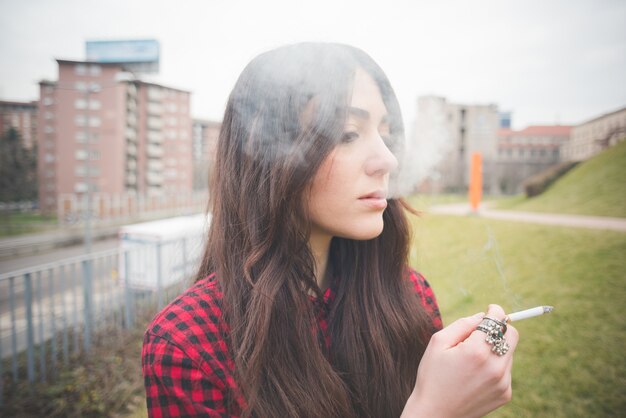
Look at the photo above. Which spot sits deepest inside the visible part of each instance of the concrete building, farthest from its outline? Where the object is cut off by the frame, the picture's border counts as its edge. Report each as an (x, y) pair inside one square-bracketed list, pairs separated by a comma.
[(452, 133), (595, 135), (205, 135), (524, 153), (139, 135), (22, 116)]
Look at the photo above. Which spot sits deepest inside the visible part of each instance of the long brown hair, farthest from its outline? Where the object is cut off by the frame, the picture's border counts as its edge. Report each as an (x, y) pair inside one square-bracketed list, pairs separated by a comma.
[(284, 116)]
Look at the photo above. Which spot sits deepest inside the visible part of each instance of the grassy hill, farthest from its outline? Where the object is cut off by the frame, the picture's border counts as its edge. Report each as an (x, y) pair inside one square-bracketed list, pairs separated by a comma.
[(568, 364), (595, 187)]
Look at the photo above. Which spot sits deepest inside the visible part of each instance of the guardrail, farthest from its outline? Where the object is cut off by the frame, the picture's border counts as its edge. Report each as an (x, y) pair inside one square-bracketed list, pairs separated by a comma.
[(52, 311)]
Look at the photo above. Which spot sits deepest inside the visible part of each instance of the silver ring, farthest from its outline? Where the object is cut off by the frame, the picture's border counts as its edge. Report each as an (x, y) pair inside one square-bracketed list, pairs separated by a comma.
[(495, 331), (500, 323)]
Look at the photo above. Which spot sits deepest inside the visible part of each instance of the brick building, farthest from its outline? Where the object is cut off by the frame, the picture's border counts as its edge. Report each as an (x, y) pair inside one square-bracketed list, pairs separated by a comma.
[(524, 153), (22, 116), (205, 134), (123, 136), (595, 135)]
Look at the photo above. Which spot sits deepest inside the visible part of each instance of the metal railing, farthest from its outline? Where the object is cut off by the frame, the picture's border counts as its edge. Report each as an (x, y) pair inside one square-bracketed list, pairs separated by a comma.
[(52, 311)]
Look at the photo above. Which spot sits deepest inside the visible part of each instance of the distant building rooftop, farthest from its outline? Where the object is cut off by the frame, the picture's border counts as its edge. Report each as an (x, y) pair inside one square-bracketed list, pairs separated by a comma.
[(538, 130)]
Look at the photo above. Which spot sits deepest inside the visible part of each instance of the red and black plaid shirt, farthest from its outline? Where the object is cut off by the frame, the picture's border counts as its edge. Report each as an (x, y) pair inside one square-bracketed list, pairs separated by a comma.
[(186, 363)]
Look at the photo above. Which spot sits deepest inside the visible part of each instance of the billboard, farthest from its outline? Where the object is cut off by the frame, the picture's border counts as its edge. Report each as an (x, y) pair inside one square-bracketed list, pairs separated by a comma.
[(139, 55)]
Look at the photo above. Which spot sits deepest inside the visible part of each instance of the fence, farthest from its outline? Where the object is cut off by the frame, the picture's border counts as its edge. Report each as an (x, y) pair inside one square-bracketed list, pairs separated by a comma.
[(54, 310), (106, 207)]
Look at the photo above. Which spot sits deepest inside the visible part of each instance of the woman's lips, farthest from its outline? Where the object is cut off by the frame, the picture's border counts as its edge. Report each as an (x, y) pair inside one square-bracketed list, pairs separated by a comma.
[(376, 200)]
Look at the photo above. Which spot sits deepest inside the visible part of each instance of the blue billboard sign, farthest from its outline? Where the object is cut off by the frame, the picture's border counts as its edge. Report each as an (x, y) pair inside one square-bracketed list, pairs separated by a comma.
[(138, 55)]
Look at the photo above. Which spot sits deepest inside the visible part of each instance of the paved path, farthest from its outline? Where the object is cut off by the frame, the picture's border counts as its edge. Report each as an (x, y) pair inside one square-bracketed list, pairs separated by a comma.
[(578, 221)]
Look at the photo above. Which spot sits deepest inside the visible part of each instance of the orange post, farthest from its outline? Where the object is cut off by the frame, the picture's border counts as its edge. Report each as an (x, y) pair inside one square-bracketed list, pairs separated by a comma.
[(476, 181)]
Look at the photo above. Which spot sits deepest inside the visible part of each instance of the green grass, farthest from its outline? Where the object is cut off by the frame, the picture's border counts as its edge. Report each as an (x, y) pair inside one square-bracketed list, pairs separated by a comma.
[(594, 187), (24, 223), (423, 201), (568, 364)]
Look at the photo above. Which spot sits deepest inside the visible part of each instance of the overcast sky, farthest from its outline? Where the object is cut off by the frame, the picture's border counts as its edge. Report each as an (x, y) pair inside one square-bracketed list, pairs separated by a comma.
[(546, 61)]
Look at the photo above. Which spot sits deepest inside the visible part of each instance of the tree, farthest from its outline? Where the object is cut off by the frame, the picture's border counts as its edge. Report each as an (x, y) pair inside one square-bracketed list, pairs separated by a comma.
[(18, 169)]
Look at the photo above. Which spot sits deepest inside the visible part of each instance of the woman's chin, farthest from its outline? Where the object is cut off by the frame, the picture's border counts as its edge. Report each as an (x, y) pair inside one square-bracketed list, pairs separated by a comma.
[(366, 232)]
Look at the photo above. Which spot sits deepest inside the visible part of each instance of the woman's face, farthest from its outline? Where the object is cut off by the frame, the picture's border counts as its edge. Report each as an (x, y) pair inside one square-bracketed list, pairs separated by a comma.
[(349, 191)]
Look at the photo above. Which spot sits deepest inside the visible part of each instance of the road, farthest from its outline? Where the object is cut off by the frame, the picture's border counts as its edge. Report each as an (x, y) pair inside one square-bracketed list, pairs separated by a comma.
[(53, 255), (576, 221)]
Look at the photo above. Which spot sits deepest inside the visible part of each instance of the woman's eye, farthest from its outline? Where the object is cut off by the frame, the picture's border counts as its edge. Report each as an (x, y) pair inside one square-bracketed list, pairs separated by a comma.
[(349, 136)]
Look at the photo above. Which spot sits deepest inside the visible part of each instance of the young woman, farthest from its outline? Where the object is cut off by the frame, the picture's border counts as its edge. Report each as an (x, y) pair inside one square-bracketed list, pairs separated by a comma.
[(304, 305)]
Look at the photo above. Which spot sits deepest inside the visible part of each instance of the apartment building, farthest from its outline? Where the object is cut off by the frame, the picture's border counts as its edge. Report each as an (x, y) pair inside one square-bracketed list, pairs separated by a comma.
[(22, 116), (451, 133), (524, 153), (205, 135), (121, 135), (595, 135)]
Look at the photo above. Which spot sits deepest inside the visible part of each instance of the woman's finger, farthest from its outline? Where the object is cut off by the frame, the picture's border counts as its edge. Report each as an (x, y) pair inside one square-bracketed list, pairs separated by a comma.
[(457, 332), (494, 312)]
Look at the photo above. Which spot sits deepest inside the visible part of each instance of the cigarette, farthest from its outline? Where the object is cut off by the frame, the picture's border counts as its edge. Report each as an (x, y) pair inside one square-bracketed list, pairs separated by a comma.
[(529, 313)]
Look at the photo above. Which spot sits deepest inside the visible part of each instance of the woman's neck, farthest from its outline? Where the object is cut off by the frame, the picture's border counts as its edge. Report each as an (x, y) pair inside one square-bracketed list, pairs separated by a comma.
[(320, 246)]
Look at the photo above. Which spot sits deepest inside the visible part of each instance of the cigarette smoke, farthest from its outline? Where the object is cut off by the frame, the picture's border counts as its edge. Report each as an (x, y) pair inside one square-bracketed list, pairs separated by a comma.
[(292, 78), (428, 139)]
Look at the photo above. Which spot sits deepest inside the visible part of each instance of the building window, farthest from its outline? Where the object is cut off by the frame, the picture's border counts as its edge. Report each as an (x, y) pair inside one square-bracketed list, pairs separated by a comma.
[(94, 121), (95, 70), (80, 171), (80, 187), (48, 129), (79, 103), (47, 101), (48, 115), (80, 69)]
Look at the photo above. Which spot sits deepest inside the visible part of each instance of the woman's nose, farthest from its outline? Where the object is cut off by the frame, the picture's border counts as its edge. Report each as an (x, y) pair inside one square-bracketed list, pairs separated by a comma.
[(381, 160)]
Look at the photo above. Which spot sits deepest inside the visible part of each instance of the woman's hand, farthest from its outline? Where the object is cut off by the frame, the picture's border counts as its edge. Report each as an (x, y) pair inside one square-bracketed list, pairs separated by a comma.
[(459, 375)]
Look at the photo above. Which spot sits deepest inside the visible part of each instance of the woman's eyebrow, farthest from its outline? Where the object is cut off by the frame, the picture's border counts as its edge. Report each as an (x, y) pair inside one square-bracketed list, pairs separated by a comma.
[(358, 112), (363, 114)]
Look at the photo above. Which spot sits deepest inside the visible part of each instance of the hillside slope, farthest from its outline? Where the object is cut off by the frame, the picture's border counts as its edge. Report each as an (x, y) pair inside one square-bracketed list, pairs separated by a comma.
[(595, 187)]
